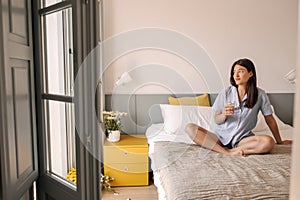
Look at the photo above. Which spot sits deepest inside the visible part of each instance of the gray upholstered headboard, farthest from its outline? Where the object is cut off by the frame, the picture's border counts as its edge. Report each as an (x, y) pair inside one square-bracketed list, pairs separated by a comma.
[(143, 109)]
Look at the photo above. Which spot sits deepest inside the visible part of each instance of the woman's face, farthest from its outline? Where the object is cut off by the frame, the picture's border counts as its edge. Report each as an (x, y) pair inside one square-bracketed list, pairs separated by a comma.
[(241, 75)]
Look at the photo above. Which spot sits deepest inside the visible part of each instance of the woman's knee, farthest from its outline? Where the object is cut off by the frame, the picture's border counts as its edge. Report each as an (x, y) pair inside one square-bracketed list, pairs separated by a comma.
[(267, 143), (191, 130)]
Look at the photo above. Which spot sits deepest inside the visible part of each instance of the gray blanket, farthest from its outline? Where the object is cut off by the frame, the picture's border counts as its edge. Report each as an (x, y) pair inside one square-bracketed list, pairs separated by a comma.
[(191, 172)]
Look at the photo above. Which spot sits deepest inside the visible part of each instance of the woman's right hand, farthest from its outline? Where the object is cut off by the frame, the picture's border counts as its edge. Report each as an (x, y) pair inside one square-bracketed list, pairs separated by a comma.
[(228, 109)]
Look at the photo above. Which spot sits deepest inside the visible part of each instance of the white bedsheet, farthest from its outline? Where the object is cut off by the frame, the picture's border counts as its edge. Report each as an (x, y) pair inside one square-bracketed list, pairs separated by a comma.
[(156, 133)]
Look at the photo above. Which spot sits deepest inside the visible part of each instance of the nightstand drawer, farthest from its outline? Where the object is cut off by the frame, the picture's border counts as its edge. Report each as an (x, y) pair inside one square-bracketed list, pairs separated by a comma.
[(127, 160), (128, 167), (126, 178), (129, 155)]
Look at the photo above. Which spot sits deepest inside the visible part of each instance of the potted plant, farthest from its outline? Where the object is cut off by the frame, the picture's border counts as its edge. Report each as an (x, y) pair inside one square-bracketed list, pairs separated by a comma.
[(112, 122)]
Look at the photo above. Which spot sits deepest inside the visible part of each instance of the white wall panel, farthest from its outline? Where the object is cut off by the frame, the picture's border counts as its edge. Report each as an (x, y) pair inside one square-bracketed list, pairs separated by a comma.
[(295, 178)]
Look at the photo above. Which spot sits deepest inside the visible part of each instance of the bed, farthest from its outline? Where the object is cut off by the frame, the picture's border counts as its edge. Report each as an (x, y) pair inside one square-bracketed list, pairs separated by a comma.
[(183, 170)]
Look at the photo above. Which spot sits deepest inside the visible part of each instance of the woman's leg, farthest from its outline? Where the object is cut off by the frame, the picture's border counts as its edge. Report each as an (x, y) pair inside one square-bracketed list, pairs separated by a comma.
[(208, 140), (256, 144)]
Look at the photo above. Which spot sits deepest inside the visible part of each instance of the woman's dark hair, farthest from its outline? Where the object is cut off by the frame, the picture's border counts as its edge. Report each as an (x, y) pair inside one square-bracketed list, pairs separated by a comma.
[(251, 89)]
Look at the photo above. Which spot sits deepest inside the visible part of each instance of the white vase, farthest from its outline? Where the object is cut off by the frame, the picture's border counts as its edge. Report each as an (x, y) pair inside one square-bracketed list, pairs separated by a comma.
[(113, 136)]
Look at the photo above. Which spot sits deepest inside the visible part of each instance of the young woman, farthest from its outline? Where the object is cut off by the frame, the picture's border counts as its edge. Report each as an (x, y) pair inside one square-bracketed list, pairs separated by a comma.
[(236, 109)]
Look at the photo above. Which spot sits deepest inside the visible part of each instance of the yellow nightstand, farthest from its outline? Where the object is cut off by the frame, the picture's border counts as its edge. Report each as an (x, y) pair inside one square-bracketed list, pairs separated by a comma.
[(127, 161)]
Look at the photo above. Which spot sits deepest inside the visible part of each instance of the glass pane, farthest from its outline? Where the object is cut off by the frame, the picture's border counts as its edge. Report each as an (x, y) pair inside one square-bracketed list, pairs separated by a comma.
[(58, 71), (46, 3), (61, 139)]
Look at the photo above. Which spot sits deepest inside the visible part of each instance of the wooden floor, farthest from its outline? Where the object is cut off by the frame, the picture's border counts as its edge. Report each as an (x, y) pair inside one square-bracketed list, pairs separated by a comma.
[(132, 193)]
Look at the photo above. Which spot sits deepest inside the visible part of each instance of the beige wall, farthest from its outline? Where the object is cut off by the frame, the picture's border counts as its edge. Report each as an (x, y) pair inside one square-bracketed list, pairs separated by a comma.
[(264, 31)]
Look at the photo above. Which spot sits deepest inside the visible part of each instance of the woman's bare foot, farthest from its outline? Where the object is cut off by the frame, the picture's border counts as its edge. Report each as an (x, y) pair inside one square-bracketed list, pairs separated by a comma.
[(236, 152)]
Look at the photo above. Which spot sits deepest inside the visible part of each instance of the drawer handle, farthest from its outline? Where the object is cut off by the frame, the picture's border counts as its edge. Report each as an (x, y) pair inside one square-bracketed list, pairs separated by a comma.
[(126, 169), (125, 153)]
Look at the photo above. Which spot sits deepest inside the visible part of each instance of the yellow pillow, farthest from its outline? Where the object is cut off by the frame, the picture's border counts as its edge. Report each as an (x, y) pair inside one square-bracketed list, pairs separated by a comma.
[(201, 100)]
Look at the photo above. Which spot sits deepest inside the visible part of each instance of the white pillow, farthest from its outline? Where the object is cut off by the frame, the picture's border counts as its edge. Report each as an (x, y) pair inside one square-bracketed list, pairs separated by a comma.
[(261, 124), (176, 117)]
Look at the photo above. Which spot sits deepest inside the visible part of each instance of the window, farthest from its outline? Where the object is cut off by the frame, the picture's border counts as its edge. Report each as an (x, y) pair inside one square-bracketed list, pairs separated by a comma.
[(47, 3), (57, 92), (62, 41)]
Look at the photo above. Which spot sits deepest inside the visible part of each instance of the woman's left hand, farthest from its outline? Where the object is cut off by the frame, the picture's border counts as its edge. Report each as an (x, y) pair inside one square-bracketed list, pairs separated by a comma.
[(286, 142)]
